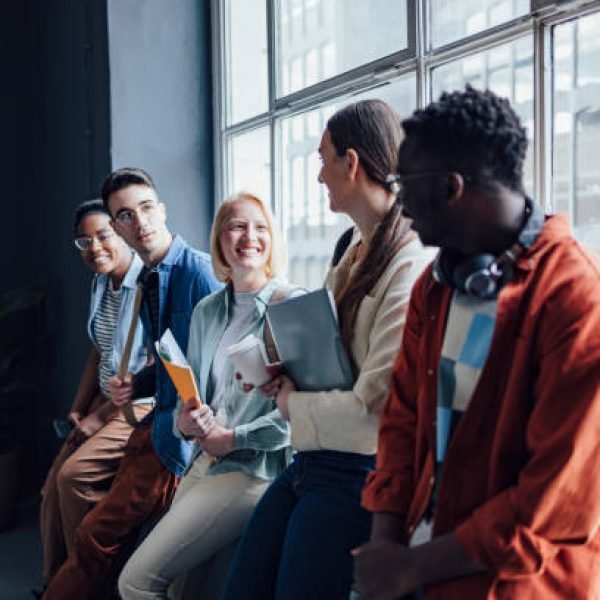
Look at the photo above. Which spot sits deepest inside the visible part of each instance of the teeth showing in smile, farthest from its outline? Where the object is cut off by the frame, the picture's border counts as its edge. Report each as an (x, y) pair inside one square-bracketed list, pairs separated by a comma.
[(101, 258), (249, 251)]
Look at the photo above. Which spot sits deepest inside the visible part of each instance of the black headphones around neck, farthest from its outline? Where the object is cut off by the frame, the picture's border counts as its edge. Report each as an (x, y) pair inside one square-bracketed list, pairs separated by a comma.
[(482, 276)]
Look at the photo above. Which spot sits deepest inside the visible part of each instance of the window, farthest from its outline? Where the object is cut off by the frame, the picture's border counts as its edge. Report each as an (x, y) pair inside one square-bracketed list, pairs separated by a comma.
[(576, 125), (318, 38), (285, 66), (452, 20)]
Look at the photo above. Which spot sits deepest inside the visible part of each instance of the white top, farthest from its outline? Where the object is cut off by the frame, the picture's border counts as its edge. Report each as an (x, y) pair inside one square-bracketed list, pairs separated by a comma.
[(347, 421), (242, 313)]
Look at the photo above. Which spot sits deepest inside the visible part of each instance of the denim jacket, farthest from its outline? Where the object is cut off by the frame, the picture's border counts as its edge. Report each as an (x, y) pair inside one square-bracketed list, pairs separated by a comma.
[(262, 436), (185, 276), (139, 353)]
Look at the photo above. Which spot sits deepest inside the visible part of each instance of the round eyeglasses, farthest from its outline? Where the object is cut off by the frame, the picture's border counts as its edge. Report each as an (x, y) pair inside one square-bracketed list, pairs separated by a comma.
[(85, 242)]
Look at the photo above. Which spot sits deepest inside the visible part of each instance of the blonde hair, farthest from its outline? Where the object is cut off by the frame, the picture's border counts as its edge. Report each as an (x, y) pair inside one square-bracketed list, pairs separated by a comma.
[(275, 262)]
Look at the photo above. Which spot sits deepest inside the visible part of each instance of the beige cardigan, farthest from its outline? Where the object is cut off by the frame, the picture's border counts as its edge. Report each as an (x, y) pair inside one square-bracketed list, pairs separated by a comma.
[(348, 420)]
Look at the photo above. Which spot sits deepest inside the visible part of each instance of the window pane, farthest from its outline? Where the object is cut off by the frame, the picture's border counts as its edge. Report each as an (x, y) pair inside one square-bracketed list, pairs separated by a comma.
[(319, 39), (251, 163), (576, 123), (452, 20), (507, 70), (311, 229), (401, 94), (247, 89)]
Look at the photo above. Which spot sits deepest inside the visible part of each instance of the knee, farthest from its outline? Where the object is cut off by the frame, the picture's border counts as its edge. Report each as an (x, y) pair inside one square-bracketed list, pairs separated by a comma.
[(67, 477), (126, 582), (138, 581)]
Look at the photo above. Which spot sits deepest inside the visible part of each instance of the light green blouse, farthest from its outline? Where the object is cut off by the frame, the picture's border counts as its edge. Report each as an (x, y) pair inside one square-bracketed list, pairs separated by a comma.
[(262, 436)]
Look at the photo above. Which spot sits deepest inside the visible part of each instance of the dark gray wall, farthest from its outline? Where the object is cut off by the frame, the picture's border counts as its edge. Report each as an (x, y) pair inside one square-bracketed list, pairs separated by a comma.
[(55, 113), (75, 74), (161, 104)]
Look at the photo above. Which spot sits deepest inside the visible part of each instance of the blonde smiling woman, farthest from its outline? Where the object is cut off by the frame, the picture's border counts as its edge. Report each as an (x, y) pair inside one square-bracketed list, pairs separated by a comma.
[(245, 433)]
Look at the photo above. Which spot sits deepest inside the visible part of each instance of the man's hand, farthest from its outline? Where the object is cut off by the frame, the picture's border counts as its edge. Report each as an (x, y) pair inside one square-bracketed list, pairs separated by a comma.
[(195, 422), (385, 571), (120, 390), (219, 442)]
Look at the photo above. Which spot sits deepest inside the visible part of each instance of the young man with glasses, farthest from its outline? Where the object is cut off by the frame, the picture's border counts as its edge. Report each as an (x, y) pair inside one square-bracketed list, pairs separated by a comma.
[(86, 464), (486, 484), (174, 279)]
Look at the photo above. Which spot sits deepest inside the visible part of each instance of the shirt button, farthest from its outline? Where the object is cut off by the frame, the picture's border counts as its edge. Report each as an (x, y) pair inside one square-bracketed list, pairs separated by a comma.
[(429, 372), (432, 480), (432, 317)]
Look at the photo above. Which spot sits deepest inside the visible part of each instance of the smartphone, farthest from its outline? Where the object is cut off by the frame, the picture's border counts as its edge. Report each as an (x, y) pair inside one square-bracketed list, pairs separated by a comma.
[(62, 428)]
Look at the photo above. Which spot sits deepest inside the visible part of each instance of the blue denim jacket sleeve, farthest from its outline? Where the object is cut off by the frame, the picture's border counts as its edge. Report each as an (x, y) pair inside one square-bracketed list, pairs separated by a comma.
[(185, 277)]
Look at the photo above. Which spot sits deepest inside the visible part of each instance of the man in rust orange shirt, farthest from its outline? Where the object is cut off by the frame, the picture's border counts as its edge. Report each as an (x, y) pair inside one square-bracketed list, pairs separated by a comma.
[(487, 481)]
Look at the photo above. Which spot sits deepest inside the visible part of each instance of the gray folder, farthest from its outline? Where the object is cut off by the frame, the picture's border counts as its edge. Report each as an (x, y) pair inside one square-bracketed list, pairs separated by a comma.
[(309, 343)]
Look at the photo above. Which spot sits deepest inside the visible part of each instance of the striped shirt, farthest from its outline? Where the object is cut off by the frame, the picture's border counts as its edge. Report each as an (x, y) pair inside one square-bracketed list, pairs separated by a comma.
[(104, 328)]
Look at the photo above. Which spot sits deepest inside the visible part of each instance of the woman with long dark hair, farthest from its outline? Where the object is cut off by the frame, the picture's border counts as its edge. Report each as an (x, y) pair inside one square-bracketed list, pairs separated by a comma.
[(297, 543)]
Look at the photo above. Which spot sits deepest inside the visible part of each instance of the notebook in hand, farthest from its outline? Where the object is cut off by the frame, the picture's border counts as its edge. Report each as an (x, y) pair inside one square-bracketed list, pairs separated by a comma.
[(309, 343)]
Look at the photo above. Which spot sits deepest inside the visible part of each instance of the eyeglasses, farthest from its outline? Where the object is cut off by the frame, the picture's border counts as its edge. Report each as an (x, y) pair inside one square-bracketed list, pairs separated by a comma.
[(126, 216), (396, 182), (85, 242)]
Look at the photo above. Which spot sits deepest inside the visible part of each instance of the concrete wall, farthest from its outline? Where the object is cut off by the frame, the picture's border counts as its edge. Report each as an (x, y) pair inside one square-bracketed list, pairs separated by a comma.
[(161, 104)]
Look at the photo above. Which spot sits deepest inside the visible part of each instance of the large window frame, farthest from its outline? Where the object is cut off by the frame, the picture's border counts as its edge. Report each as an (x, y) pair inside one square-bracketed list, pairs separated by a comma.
[(418, 58)]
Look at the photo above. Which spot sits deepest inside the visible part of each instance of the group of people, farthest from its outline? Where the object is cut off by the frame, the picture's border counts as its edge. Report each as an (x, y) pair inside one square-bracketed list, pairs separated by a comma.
[(461, 464)]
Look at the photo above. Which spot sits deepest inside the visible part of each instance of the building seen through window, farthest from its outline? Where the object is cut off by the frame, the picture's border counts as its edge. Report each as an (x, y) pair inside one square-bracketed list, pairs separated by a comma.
[(281, 82)]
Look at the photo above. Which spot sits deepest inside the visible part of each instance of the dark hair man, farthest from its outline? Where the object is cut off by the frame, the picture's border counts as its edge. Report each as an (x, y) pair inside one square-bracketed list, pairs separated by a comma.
[(486, 484), (174, 278)]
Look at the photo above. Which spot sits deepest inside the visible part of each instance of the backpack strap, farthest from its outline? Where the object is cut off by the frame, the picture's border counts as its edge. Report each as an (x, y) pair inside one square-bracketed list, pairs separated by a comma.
[(341, 246)]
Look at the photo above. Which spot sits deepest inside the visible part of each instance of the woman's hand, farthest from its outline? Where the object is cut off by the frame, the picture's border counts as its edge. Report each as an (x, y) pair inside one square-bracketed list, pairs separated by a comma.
[(268, 389), (120, 390), (90, 425), (219, 442), (285, 385), (75, 416), (195, 422)]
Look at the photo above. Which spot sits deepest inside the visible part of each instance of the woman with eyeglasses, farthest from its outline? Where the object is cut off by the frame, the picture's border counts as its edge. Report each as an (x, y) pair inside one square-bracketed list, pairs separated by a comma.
[(298, 542), (87, 462)]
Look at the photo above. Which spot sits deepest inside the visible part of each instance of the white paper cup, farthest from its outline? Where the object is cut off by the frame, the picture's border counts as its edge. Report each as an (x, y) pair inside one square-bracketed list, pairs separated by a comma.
[(248, 359)]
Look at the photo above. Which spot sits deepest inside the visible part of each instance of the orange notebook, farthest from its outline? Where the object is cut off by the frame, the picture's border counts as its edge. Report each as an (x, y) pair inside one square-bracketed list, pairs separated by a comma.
[(177, 367)]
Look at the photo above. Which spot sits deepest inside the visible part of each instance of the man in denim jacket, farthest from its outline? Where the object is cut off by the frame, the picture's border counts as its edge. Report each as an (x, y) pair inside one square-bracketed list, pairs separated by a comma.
[(175, 277)]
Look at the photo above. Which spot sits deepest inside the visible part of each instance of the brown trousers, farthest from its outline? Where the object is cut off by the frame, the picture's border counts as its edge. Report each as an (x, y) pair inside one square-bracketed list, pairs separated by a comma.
[(79, 478), (142, 490)]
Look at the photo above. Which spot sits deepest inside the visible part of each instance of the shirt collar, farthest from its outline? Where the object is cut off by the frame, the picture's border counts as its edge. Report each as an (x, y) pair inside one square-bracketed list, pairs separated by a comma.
[(131, 277), (555, 227)]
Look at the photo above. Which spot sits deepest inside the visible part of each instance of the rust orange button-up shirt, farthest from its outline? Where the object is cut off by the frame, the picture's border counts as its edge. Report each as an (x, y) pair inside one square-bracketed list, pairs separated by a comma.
[(521, 481)]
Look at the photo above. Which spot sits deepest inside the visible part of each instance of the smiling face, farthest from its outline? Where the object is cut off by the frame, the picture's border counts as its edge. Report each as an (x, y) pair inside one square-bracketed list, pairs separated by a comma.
[(140, 219), (245, 242), (107, 252)]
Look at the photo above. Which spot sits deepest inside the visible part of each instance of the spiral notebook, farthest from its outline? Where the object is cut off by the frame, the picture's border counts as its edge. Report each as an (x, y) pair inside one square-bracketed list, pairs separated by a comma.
[(308, 341)]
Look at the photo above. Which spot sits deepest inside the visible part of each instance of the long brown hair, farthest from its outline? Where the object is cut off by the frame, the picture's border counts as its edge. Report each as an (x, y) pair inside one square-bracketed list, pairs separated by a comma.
[(373, 129)]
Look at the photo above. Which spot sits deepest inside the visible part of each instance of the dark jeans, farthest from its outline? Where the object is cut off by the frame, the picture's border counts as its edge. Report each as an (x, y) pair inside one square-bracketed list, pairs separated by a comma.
[(297, 542)]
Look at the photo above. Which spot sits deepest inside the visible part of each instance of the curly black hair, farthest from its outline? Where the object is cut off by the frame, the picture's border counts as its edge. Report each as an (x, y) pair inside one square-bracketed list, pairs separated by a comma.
[(86, 208), (475, 132)]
